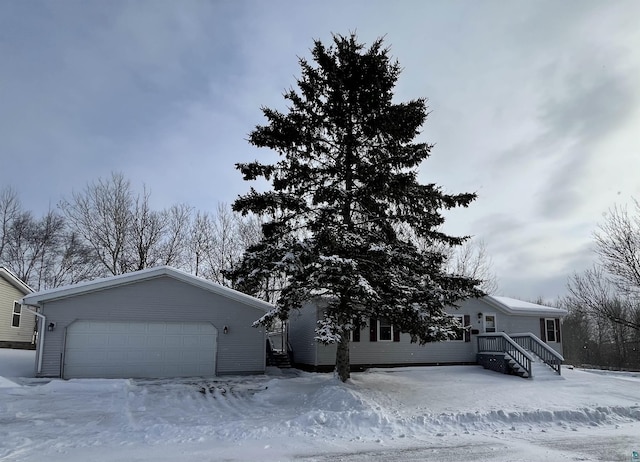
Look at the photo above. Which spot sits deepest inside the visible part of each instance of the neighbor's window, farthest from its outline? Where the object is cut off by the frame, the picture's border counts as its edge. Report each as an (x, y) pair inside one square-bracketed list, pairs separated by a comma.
[(460, 332), (552, 333), (17, 312), (490, 323), (385, 330)]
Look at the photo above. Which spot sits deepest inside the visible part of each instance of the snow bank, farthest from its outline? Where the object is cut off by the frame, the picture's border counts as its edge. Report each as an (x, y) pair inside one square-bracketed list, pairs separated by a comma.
[(6, 383), (288, 414)]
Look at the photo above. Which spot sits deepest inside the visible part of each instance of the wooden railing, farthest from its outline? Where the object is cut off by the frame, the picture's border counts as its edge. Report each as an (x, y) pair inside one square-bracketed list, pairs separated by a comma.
[(500, 342), (548, 355)]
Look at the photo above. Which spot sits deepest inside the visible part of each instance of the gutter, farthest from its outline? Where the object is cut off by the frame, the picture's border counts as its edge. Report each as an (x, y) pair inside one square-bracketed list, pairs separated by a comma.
[(43, 329)]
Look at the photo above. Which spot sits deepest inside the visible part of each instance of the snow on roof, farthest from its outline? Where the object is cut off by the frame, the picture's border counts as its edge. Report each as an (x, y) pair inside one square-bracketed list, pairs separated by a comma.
[(142, 275), (515, 306), (14, 280)]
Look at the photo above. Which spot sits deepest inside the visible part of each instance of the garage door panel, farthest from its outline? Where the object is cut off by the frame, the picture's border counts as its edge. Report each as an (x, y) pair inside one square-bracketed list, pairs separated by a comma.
[(136, 340), (139, 349), (156, 328)]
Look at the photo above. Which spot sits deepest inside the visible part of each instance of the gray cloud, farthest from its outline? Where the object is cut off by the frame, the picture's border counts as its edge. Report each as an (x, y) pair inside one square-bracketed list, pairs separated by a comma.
[(593, 105), (166, 92)]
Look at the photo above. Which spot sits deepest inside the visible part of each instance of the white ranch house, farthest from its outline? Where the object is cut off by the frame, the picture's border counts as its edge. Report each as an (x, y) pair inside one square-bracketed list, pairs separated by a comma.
[(494, 326)]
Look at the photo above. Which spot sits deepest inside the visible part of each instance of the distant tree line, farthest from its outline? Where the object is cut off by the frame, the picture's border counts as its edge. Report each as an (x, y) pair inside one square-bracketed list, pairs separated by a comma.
[(108, 228), (603, 325)]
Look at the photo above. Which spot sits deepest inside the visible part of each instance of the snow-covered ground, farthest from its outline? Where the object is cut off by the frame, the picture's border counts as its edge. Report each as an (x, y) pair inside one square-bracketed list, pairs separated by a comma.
[(450, 413)]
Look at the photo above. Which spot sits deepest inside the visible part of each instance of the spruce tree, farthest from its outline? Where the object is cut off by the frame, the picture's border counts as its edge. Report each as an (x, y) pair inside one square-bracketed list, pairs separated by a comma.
[(345, 204)]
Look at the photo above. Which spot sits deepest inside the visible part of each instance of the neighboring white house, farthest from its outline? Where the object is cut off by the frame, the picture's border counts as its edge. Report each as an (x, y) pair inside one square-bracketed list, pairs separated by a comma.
[(381, 344), (158, 322), (16, 325)]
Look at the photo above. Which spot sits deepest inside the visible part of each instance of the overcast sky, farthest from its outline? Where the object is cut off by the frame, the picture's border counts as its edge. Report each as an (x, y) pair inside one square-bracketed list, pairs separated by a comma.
[(535, 106)]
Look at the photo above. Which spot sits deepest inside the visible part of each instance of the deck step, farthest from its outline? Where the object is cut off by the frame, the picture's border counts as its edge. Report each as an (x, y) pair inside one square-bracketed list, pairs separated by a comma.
[(280, 360), (517, 369)]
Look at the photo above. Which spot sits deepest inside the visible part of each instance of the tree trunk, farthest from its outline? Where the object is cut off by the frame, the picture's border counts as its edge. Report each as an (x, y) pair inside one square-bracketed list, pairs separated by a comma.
[(343, 368)]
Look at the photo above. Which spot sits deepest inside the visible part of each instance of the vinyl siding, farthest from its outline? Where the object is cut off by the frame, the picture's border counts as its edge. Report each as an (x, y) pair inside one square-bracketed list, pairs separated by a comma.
[(518, 324), (164, 298), (9, 294), (404, 352), (302, 325)]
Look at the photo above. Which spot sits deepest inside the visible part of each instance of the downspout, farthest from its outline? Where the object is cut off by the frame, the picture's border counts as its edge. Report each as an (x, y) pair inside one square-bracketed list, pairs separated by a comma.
[(43, 329)]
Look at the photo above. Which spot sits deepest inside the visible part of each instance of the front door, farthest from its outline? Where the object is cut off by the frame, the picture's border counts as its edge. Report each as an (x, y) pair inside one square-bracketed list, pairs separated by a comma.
[(490, 324)]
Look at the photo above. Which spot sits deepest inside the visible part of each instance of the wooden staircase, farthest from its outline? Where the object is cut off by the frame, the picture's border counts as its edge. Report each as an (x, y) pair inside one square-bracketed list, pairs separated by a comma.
[(516, 368), (277, 358), (517, 354), (280, 360)]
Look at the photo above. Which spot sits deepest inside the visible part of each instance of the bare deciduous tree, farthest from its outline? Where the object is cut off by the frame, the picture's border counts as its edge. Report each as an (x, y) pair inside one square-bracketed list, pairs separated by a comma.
[(199, 243), (10, 209), (618, 246), (175, 244), (123, 231), (608, 295), (72, 262), (593, 293), (101, 214), (147, 230), (32, 245), (108, 229), (472, 260)]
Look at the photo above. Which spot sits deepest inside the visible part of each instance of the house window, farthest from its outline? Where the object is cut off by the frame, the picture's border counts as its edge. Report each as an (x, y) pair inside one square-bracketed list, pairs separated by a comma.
[(551, 330), (490, 323), (17, 312), (385, 330), (460, 332), (355, 334)]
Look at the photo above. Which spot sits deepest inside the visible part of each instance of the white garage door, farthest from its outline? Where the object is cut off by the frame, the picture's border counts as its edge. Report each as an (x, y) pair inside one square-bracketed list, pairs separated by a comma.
[(106, 349)]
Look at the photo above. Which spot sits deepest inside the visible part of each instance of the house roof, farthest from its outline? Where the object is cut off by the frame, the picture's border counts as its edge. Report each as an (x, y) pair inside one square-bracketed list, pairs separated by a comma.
[(520, 307), (14, 280), (38, 298)]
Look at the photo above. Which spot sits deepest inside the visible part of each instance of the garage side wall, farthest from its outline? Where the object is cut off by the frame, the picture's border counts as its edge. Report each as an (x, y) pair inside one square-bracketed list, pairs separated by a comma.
[(240, 351)]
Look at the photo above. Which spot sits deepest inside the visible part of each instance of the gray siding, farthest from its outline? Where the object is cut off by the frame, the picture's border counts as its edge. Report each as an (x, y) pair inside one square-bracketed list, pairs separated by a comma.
[(404, 352), (23, 334), (302, 325), (519, 324), (242, 350)]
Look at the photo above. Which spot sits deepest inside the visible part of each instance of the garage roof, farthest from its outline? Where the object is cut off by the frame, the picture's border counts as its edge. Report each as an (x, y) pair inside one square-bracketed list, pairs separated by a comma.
[(38, 298)]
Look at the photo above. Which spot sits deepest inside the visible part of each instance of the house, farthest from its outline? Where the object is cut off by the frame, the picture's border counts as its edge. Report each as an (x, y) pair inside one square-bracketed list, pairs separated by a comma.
[(154, 323), (16, 326), (493, 326)]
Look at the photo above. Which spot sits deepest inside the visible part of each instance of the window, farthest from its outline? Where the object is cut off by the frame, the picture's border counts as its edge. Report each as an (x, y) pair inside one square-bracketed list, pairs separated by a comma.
[(355, 334), (490, 323), (460, 332), (385, 330), (550, 330), (17, 312), (382, 330)]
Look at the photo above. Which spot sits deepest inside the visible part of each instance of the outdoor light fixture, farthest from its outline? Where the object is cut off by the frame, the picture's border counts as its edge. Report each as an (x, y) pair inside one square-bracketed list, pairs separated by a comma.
[(479, 315), (51, 326), (225, 330)]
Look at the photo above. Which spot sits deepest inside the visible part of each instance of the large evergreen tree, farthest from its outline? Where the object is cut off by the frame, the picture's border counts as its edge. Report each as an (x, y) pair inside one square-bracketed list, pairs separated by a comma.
[(345, 203)]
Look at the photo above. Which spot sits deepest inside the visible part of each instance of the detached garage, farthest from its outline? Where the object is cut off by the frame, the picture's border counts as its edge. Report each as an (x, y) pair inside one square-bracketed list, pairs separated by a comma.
[(154, 323)]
